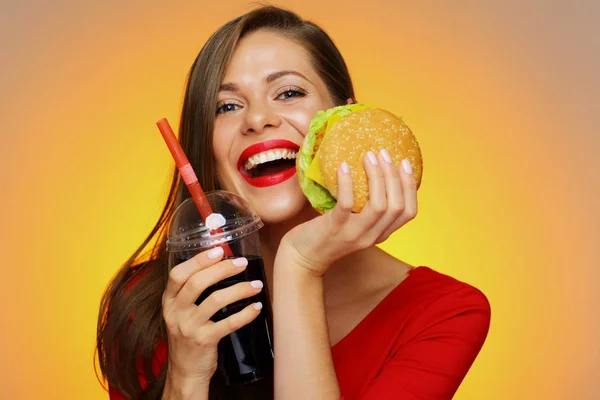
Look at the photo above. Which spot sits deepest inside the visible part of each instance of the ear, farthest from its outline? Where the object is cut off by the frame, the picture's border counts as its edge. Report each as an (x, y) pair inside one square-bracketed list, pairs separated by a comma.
[(350, 100)]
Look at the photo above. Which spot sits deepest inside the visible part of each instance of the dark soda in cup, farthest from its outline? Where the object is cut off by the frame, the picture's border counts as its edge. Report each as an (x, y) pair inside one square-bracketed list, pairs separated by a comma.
[(246, 355)]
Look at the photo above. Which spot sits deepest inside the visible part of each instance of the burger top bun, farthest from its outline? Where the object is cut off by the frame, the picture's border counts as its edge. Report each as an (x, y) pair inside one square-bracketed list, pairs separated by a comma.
[(349, 140)]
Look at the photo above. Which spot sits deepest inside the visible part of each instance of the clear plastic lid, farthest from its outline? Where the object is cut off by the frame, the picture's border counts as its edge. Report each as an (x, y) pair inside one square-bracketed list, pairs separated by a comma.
[(188, 231)]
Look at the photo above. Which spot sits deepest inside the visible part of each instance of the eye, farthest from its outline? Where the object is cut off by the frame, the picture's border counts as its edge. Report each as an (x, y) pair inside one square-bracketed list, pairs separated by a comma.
[(226, 107), (290, 92)]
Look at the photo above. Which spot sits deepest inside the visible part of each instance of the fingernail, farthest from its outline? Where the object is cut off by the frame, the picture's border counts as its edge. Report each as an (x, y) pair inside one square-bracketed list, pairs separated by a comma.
[(386, 156), (345, 168), (256, 284), (406, 166), (372, 158), (215, 253), (258, 306), (240, 262)]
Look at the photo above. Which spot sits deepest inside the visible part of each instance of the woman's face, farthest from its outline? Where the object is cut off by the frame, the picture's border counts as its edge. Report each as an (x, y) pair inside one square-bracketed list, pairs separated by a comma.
[(268, 96)]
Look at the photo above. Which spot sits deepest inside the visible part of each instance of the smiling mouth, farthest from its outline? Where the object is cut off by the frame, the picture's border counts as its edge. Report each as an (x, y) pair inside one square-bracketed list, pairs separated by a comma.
[(269, 163)]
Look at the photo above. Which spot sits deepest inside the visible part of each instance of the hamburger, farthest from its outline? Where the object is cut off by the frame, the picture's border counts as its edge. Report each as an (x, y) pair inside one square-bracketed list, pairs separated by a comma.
[(347, 133)]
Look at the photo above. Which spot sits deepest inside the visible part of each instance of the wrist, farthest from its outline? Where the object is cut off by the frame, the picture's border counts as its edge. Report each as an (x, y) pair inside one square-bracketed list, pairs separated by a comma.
[(178, 387), (294, 262)]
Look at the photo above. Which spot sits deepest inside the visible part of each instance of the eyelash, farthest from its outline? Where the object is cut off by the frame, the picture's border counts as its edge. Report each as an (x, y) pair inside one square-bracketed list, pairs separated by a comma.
[(220, 107), (292, 89), (296, 91)]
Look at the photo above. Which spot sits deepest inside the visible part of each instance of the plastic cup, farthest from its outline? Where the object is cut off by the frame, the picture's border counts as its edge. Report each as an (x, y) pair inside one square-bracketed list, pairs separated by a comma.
[(246, 355)]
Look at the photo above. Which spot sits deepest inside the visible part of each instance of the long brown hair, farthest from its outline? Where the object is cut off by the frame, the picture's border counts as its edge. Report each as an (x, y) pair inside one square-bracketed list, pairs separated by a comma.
[(130, 321)]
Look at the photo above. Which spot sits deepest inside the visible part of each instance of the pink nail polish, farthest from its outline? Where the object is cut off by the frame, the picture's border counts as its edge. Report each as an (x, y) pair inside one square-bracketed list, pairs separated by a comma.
[(406, 166), (345, 168), (240, 262), (386, 156), (215, 253), (372, 158), (256, 284), (258, 306)]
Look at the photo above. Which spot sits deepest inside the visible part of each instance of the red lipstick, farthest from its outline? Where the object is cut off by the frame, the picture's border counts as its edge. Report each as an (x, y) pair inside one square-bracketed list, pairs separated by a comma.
[(267, 180)]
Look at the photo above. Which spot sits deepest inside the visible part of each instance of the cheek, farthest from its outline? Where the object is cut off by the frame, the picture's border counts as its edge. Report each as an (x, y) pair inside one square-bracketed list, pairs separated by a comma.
[(301, 116), (222, 143), (222, 140)]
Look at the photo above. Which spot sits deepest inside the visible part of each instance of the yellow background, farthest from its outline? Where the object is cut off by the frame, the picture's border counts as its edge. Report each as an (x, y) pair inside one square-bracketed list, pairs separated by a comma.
[(502, 96)]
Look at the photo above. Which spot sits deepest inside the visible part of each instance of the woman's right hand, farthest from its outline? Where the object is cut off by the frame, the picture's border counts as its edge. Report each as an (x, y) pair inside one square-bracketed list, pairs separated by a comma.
[(192, 336)]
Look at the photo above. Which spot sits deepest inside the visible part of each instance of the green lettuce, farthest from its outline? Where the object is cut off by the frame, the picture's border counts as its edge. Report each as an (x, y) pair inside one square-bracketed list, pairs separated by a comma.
[(318, 196)]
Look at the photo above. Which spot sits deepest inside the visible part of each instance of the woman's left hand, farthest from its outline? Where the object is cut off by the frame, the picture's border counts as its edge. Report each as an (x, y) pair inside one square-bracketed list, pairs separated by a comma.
[(318, 243)]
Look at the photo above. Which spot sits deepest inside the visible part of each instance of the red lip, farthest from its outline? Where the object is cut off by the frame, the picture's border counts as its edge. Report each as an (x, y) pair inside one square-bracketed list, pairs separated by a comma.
[(269, 180)]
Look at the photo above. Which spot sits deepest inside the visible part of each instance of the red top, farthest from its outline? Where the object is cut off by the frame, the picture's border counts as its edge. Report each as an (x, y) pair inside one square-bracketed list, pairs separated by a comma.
[(417, 344)]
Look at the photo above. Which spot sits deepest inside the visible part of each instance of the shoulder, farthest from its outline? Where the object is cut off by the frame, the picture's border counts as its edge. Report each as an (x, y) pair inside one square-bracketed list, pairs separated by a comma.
[(438, 298), (436, 288)]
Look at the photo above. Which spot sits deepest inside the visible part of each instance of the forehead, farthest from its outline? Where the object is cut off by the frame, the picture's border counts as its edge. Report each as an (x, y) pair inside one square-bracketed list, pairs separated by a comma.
[(260, 53)]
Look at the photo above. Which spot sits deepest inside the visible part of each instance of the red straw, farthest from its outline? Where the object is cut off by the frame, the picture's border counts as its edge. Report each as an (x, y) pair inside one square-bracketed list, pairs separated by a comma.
[(188, 175)]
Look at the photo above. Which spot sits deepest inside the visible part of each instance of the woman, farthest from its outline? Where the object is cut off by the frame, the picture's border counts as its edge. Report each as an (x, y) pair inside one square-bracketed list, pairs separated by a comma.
[(349, 320)]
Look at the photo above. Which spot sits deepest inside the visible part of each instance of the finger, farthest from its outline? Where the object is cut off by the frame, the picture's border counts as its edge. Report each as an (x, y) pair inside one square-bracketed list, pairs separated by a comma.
[(220, 299), (377, 204), (409, 189), (345, 197), (393, 183), (394, 193), (409, 212), (234, 322), (180, 274), (201, 280)]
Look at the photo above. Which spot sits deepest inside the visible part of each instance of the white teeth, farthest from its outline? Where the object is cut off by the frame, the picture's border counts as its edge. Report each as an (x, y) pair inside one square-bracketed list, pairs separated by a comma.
[(269, 155)]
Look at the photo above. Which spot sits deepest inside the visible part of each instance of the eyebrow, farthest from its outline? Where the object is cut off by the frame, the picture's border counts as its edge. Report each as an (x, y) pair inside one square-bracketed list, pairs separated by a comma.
[(232, 87)]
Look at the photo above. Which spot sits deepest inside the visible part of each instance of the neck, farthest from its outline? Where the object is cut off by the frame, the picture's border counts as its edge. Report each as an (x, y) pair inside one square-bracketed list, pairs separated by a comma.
[(271, 235), (343, 274)]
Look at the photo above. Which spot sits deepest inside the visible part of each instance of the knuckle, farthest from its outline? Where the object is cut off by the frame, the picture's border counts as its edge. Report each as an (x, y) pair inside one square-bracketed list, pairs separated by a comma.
[(383, 237), (197, 283), (198, 260), (239, 319), (396, 208), (175, 328), (217, 299), (185, 331), (234, 322), (345, 206), (410, 212), (176, 276), (202, 338), (170, 323), (364, 243), (379, 208), (352, 237)]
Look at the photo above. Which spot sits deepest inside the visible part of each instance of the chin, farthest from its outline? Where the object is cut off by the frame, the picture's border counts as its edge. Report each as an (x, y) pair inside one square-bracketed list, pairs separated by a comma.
[(274, 204), (279, 204)]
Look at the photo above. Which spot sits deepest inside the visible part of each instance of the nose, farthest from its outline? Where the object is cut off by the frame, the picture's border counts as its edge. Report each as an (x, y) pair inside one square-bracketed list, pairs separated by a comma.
[(259, 117)]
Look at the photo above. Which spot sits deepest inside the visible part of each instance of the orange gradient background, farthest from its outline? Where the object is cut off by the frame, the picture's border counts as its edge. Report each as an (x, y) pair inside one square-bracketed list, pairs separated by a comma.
[(503, 97)]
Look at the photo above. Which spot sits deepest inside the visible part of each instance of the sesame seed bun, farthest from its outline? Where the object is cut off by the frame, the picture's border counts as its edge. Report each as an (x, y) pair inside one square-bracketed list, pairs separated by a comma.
[(347, 133), (356, 134)]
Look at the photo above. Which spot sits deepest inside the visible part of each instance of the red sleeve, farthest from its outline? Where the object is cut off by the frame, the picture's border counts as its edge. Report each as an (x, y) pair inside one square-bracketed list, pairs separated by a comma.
[(114, 394), (159, 358), (433, 364)]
